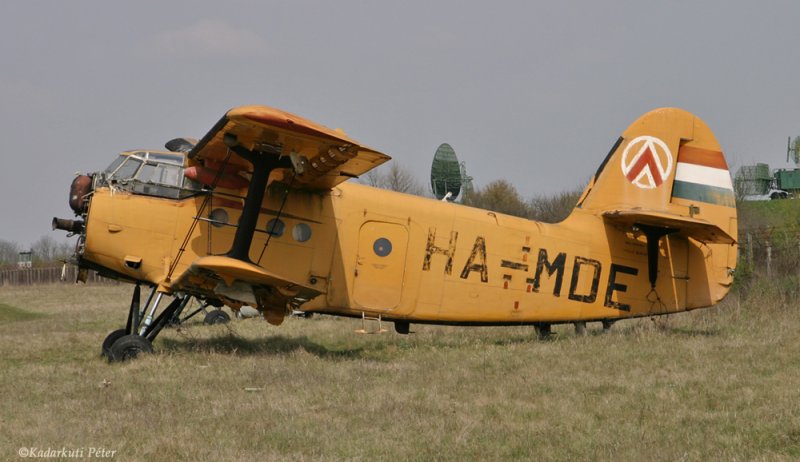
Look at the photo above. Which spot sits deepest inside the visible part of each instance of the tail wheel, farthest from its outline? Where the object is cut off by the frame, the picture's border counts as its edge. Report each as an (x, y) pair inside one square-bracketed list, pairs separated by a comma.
[(216, 317), (129, 347)]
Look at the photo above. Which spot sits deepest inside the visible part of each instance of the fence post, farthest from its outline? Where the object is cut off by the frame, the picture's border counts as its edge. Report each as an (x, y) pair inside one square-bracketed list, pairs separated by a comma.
[(769, 258)]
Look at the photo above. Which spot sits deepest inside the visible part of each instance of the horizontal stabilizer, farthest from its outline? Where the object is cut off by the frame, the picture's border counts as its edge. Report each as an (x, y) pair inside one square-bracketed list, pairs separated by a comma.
[(695, 228)]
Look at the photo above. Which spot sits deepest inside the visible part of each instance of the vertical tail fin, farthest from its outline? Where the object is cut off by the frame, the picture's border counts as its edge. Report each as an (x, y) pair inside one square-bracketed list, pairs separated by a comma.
[(666, 163), (667, 174)]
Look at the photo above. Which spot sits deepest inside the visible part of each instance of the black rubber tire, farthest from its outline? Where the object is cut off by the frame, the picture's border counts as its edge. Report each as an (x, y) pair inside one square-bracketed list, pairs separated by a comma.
[(109, 341), (129, 347), (216, 317)]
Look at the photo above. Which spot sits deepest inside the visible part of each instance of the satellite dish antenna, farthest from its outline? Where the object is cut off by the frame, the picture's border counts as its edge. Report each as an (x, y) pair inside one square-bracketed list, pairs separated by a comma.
[(445, 173), (793, 150)]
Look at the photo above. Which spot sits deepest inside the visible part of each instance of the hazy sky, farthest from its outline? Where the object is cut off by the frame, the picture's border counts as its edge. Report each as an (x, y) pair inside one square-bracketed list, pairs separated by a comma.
[(534, 92)]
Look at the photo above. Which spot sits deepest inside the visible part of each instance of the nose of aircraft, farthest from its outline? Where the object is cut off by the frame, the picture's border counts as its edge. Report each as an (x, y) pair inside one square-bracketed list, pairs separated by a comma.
[(78, 194)]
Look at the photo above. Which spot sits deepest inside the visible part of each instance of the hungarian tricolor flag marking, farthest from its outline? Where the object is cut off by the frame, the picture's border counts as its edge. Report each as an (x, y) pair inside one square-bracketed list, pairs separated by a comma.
[(702, 175)]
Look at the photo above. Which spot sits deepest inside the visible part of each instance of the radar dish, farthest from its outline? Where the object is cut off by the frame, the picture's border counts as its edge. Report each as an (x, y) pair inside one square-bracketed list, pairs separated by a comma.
[(445, 173), (793, 150)]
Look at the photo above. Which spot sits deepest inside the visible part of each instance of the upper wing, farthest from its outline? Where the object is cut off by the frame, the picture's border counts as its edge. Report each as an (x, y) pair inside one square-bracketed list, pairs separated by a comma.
[(330, 156)]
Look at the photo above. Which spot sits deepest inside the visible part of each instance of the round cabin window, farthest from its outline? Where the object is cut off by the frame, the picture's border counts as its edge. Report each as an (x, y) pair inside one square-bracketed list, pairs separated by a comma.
[(301, 232), (382, 247), (275, 227), (218, 217)]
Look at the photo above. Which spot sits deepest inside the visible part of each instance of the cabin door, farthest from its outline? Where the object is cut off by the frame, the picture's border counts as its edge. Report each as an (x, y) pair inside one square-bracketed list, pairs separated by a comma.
[(380, 265)]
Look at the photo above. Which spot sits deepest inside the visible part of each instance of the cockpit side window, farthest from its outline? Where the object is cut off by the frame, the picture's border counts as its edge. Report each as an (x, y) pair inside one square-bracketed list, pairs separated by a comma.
[(169, 175), (164, 174), (146, 173)]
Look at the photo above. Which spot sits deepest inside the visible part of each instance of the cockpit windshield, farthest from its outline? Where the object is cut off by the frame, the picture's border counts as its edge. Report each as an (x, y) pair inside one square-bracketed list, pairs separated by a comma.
[(127, 170), (115, 164), (152, 174)]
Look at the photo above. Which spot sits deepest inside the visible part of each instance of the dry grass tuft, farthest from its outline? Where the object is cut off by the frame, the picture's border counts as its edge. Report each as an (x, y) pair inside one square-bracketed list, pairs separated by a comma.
[(712, 384)]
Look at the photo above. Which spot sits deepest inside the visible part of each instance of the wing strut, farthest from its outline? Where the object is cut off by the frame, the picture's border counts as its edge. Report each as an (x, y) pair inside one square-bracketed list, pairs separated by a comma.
[(263, 162)]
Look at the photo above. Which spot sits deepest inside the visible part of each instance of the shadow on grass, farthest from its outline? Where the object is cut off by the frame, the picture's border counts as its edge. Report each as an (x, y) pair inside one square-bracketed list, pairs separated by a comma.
[(233, 344), (692, 332), (10, 313), (277, 345), (677, 331), (520, 340)]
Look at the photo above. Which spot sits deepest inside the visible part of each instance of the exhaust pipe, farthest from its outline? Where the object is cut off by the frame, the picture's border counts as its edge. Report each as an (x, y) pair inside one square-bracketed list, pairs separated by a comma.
[(71, 226)]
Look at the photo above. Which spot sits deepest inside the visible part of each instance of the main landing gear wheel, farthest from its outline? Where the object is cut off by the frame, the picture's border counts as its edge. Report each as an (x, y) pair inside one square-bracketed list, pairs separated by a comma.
[(109, 341), (143, 326), (216, 317), (129, 347)]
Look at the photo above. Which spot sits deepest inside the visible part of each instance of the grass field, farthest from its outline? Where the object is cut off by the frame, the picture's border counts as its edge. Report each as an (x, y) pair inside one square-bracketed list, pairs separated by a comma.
[(717, 384)]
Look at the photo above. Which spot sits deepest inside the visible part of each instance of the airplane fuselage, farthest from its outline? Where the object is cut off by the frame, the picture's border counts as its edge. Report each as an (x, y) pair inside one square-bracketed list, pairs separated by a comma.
[(367, 250)]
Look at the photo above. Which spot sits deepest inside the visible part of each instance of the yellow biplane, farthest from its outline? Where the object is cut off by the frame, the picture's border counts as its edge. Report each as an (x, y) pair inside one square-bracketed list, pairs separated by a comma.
[(259, 213)]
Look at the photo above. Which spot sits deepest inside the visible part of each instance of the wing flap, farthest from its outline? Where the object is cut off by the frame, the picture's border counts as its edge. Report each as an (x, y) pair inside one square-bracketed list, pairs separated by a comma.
[(329, 156), (695, 228)]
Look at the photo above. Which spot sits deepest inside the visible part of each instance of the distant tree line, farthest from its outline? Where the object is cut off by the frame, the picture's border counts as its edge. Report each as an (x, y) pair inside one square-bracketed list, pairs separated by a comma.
[(499, 195), (396, 178), (44, 251)]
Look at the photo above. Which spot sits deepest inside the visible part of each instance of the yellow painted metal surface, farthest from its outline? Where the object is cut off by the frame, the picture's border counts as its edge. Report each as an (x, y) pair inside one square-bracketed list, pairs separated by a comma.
[(353, 249), (380, 265)]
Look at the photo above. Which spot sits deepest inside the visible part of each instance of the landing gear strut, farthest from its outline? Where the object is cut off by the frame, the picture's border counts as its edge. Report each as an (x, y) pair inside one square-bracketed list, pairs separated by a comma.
[(543, 330), (141, 330)]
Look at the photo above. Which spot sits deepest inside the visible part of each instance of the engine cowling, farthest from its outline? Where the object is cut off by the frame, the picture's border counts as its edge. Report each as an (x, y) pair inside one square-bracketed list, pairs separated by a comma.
[(80, 188)]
